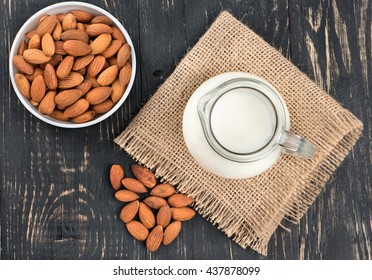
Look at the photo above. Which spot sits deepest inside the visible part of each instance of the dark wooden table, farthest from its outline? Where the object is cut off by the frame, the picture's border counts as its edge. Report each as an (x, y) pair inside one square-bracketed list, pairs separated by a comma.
[(56, 201)]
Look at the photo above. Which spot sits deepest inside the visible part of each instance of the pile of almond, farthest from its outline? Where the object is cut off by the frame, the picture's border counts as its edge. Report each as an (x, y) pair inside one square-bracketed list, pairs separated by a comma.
[(73, 66), (156, 216)]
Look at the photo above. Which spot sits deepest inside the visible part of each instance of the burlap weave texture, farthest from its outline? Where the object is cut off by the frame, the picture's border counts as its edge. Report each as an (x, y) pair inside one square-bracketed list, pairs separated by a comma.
[(247, 210)]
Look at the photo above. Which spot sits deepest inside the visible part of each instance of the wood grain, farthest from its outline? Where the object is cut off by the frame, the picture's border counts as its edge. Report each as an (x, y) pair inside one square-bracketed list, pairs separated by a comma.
[(56, 202)]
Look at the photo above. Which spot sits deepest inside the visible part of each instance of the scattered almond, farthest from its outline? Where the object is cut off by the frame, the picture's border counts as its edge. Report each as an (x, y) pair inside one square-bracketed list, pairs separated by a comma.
[(146, 216), (96, 66), (57, 31), (133, 185), (82, 62), (47, 25), (154, 239), (144, 175), (164, 216), (100, 43), (101, 19), (137, 230), (82, 15), (72, 80), (129, 211), (116, 175), (182, 213), (123, 55), (117, 91), (65, 67), (125, 195), (112, 49), (171, 232), (163, 190), (155, 202), (179, 200)]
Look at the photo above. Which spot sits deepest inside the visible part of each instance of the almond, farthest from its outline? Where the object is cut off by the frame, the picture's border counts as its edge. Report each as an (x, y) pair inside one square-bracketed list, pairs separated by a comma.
[(65, 67), (82, 16), (82, 62), (182, 213), (85, 86), (96, 66), (60, 17), (116, 34), (37, 72), (57, 31), (116, 175), (146, 216), (30, 34), (103, 107), (164, 216), (22, 47), (100, 43), (54, 61), (82, 71), (179, 200), (42, 18), (171, 232), (123, 55), (76, 109), (129, 211), (84, 117), (47, 44), (76, 48), (155, 202), (97, 29), (59, 48), (137, 230), (144, 175), (57, 114), (34, 42), (80, 26), (98, 95), (112, 49), (23, 66), (93, 81), (34, 103), (163, 190), (125, 195), (101, 19), (69, 22), (133, 185), (47, 25), (125, 74), (38, 89), (47, 105), (35, 56), (117, 91), (67, 97), (154, 239), (108, 76), (72, 80), (23, 85), (50, 77), (112, 60), (75, 34)]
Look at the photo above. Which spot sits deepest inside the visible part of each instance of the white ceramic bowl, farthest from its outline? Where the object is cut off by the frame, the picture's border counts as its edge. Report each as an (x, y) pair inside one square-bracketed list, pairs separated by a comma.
[(32, 23)]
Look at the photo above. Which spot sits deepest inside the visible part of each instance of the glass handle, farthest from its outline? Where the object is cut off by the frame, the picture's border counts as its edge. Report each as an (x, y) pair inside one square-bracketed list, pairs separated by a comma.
[(296, 145)]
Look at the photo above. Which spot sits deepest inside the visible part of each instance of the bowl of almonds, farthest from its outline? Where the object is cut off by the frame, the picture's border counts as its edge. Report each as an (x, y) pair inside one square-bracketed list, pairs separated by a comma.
[(72, 64)]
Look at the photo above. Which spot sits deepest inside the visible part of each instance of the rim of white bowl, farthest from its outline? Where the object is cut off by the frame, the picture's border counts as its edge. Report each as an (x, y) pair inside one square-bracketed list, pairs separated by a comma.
[(21, 35)]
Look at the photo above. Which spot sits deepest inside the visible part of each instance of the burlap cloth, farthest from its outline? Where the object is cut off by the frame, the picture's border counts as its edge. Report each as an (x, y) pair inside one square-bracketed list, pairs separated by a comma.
[(249, 211)]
